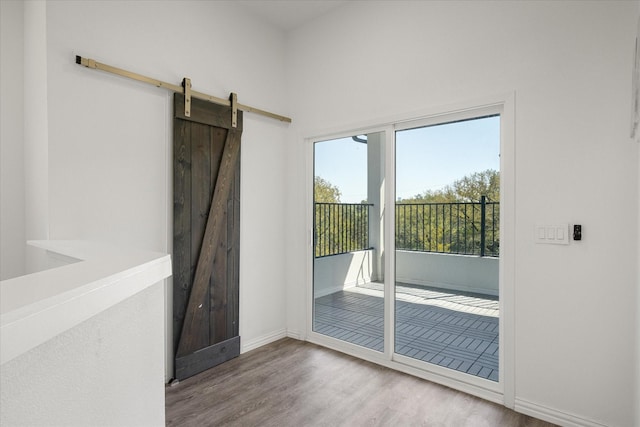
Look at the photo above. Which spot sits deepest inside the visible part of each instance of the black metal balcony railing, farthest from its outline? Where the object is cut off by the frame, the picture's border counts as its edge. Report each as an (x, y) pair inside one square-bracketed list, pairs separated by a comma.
[(463, 228), (340, 228)]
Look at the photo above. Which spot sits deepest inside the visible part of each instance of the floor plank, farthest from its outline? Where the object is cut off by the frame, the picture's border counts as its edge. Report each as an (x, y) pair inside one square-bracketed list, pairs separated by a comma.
[(295, 383)]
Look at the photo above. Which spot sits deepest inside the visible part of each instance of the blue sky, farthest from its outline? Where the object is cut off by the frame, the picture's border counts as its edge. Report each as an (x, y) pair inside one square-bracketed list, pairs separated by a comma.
[(427, 158)]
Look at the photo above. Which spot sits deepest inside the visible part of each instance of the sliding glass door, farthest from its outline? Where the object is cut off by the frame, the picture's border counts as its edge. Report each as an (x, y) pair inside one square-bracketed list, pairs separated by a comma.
[(447, 245), (348, 270), (407, 227)]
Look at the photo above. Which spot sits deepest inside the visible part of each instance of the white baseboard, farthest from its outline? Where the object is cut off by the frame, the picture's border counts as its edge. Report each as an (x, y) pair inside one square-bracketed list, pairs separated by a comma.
[(263, 340), (297, 335), (553, 415)]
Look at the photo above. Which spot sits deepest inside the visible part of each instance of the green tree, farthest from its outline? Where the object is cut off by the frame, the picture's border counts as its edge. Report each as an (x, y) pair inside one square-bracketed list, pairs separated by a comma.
[(472, 187), (324, 191), (467, 189)]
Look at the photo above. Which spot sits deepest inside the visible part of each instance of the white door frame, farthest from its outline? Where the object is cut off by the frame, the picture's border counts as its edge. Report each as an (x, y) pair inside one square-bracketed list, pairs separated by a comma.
[(504, 390)]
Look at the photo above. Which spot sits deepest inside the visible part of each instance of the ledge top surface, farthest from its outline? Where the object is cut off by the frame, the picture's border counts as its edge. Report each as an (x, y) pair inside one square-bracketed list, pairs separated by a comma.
[(36, 307)]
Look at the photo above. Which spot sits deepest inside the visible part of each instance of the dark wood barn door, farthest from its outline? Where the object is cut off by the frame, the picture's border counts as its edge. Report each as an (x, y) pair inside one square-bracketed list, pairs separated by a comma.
[(206, 236)]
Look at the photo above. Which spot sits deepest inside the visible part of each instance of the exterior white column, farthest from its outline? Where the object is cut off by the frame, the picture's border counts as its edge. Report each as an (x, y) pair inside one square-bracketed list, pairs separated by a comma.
[(375, 196)]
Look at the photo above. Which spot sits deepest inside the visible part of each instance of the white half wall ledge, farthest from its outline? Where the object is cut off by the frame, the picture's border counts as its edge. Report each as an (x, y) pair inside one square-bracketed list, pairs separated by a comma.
[(37, 307)]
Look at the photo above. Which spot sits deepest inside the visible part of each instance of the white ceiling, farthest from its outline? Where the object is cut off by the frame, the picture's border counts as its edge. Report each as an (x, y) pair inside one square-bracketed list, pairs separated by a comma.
[(289, 14)]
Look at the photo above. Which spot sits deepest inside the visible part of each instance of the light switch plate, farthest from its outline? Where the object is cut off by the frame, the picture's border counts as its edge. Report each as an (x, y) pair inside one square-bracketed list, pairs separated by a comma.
[(554, 234)]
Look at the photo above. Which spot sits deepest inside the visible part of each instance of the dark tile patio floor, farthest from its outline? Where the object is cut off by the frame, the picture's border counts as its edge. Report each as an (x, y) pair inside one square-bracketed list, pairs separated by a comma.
[(455, 330)]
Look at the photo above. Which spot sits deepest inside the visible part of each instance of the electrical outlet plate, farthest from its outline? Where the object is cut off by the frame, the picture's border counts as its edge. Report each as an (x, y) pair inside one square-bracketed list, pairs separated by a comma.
[(553, 234)]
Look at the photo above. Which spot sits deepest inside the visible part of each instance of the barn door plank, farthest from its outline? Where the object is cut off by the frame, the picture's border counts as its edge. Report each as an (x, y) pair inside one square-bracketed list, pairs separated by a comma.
[(201, 191), (233, 262), (182, 275)]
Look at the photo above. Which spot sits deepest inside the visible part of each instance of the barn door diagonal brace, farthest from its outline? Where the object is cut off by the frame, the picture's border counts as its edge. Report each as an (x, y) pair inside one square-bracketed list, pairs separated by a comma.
[(90, 63)]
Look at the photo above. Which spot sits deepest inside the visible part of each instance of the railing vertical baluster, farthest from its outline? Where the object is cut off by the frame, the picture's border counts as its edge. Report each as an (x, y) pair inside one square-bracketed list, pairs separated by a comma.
[(359, 215), (416, 244), (358, 237), (430, 229), (411, 239), (423, 227), (345, 218), (345, 227), (465, 228), (450, 228), (365, 213), (493, 229), (356, 219), (397, 226), (336, 237), (332, 223), (325, 228), (355, 228), (338, 226), (483, 225), (341, 227), (366, 225), (436, 230), (323, 225), (473, 229), (444, 231), (344, 211), (352, 230), (458, 227)]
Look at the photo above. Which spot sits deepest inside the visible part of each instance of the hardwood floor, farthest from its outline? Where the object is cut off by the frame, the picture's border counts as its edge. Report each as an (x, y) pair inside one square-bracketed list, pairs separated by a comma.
[(295, 383)]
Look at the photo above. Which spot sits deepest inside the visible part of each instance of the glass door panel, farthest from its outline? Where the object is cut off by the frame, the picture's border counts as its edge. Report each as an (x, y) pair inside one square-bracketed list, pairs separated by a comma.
[(447, 239), (348, 270)]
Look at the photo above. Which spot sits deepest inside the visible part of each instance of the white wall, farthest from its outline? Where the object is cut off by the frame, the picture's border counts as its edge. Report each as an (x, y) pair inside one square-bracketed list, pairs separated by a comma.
[(110, 138), (458, 272), (12, 228), (58, 383), (569, 65)]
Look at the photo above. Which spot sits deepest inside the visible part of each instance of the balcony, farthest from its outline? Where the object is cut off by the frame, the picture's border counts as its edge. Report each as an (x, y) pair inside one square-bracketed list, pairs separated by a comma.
[(446, 279)]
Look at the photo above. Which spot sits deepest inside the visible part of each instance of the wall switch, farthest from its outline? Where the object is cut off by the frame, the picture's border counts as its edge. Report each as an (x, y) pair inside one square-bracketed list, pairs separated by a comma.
[(550, 233), (577, 232), (556, 234)]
